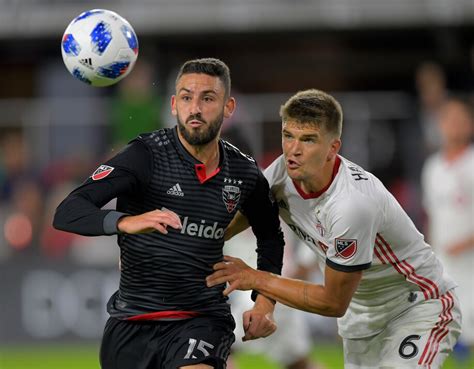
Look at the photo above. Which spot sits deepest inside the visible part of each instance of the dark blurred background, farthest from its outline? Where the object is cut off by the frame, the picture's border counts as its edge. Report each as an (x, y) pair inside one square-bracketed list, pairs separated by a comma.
[(390, 63)]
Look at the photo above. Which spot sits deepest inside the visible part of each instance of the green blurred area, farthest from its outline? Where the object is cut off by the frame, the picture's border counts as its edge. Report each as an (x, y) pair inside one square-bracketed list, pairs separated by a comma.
[(86, 357)]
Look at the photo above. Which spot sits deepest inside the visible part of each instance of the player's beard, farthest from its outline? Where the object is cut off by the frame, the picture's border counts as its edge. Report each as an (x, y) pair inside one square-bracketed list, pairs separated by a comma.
[(205, 134)]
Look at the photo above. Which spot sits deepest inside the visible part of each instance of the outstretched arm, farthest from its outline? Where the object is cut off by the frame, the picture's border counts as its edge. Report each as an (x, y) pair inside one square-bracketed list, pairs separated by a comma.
[(330, 299), (126, 174)]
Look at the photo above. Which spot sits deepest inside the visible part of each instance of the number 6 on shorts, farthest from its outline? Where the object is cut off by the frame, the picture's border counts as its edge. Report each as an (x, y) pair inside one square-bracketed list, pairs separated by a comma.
[(407, 348)]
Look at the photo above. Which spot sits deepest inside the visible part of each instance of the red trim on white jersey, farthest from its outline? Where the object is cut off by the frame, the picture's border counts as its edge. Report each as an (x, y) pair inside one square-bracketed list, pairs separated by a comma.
[(386, 255), (439, 331)]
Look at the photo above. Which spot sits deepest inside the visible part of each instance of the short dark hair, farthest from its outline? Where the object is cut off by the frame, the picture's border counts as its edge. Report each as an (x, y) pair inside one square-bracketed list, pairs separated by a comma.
[(314, 107), (211, 67)]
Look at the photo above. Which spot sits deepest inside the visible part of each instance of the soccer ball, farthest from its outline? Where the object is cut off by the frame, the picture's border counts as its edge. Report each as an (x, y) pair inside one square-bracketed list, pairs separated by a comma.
[(99, 47)]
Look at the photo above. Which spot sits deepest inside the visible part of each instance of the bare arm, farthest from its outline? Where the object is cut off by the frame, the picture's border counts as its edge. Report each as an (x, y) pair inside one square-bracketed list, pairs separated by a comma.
[(330, 299)]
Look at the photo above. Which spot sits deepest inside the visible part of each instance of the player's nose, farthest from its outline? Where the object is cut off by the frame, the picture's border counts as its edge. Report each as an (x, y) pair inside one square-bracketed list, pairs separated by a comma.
[(295, 148), (195, 107)]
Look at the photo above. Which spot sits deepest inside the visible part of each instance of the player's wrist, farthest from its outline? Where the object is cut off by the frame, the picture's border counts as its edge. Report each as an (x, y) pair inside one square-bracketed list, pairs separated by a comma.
[(264, 303), (260, 280), (122, 224), (111, 220)]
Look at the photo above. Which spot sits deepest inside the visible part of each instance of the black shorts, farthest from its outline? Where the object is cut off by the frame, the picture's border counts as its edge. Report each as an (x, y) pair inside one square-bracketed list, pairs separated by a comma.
[(167, 344)]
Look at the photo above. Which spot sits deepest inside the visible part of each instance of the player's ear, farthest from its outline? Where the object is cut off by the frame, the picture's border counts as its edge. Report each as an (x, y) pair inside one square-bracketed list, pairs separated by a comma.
[(229, 107), (173, 105), (334, 148)]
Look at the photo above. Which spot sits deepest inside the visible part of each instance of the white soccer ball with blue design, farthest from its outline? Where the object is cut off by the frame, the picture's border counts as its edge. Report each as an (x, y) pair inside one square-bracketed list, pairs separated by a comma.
[(99, 47)]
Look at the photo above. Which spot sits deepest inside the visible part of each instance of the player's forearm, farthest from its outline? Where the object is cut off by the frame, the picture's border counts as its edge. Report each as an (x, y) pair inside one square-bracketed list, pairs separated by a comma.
[(299, 294), (78, 215), (264, 303)]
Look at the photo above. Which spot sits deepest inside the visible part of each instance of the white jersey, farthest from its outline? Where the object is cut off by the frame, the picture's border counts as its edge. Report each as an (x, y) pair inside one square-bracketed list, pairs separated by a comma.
[(356, 224), (448, 196)]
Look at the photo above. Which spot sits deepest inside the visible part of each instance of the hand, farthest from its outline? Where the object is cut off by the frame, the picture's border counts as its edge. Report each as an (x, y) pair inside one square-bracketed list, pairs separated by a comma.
[(259, 322), (156, 220), (233, 270)]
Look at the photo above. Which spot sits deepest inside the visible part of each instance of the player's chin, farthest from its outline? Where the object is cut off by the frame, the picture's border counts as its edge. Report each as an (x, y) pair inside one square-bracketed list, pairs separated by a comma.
[(294, 173)]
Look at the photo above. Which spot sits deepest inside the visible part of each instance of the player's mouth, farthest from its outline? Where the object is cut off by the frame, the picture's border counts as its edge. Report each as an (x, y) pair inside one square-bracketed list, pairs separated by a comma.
[(195, 123), (292, 164)]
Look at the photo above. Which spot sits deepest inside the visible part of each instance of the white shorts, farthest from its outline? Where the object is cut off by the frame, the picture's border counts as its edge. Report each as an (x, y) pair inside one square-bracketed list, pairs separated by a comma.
[(460, 269), (291, 341), (421, 337)]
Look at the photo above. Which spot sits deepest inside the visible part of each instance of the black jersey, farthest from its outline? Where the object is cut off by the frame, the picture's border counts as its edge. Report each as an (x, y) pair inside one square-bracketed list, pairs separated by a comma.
[(166, 272)]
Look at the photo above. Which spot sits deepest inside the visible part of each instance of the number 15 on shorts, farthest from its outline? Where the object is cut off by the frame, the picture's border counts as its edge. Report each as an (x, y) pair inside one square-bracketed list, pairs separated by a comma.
[(195, 346)]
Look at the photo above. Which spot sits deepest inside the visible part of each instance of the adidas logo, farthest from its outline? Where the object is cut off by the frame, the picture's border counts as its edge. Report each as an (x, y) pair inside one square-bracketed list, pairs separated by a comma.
[(175, 190), (87, 62)]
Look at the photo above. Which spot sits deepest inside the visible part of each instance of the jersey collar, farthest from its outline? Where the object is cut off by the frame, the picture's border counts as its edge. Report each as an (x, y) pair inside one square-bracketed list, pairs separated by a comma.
[(199, 167)]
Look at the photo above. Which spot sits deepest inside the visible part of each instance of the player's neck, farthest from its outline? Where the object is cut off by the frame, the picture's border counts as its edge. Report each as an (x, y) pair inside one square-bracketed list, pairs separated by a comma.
[(321, 179), (452, 152), (207, 154)]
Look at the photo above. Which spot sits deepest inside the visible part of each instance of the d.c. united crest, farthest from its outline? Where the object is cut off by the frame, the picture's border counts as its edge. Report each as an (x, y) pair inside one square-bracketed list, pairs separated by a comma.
[(231, 197)]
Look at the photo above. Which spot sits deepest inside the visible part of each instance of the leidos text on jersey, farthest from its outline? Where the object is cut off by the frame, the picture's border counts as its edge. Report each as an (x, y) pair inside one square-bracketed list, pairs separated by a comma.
[(202, 230)]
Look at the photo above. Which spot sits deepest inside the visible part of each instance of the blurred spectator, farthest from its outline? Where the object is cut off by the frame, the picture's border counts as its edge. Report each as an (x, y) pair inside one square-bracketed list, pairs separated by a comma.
[(448, 185), (432, 93), (136, 107), (21, 216), (21, 195), (14, 161)]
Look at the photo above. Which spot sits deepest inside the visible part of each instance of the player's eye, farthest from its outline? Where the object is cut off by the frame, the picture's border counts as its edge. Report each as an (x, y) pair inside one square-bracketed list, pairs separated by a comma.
[(208, 98)]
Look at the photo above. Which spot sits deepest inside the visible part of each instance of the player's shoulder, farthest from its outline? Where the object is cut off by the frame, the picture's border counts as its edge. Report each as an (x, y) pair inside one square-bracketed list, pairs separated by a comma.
[(159, 135), (276, 172), (158, 140), (354, 209), (469, 156), (358, 177), (353, 169), (359, 193), (235, 154), (431, 169), (432, 161)]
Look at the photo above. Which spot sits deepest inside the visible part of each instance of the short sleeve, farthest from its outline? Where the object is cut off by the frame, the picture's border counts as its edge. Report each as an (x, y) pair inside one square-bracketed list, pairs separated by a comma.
[(353, 229)]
